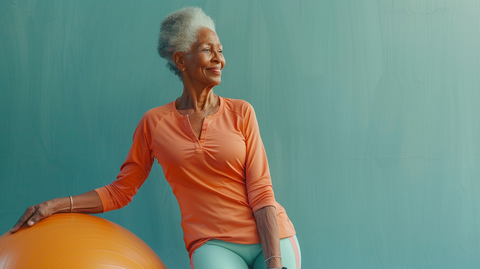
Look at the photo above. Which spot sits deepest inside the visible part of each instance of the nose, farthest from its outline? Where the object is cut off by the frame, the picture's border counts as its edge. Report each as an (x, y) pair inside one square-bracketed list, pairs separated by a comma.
[(218, 57)]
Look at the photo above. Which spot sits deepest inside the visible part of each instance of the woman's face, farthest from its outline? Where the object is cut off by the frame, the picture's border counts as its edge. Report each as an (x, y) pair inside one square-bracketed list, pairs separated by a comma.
[(205, 61)]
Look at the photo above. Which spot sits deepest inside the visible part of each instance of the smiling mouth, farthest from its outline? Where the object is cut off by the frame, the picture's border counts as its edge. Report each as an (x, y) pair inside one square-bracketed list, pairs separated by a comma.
[(215, 70)]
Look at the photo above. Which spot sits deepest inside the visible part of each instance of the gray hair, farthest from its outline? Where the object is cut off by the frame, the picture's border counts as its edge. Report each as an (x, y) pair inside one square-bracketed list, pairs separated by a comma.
[(178, 32)]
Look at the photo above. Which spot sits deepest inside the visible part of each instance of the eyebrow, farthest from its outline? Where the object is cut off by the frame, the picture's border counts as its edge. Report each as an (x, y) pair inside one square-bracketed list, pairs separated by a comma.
[(210, 44)]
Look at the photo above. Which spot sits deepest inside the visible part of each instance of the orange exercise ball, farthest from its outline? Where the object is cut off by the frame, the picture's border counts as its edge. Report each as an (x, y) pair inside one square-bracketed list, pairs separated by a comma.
[(76, 241)]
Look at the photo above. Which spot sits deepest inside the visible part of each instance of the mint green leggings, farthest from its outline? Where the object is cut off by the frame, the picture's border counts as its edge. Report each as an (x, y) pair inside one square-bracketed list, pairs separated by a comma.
[(217, 254)]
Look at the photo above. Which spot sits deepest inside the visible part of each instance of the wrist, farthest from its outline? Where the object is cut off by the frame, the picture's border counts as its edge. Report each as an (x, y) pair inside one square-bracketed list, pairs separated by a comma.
[(274, 262), (61, 205)]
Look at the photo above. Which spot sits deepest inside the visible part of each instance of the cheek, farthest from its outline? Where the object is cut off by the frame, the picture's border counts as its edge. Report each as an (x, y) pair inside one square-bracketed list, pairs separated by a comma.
[(200, 64)]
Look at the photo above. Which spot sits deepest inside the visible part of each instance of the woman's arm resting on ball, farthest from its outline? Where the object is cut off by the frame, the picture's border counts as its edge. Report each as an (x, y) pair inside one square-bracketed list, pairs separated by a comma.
[(88, 202), (269, 236)]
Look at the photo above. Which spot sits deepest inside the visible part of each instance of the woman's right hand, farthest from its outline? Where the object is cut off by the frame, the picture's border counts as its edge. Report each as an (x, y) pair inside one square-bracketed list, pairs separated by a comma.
[(34, 214)]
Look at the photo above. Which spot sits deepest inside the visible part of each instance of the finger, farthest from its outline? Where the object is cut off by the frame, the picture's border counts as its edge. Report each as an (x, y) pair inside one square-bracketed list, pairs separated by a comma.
[(35, 218), (26, 215)]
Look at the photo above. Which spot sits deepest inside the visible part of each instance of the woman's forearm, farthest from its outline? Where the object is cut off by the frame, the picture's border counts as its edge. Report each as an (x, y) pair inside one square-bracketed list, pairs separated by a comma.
[(269, 236), (88, 202)]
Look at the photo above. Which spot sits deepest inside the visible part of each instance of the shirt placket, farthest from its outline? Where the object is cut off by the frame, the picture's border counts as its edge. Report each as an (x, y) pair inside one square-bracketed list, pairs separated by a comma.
[(198, 143), (204, 131)]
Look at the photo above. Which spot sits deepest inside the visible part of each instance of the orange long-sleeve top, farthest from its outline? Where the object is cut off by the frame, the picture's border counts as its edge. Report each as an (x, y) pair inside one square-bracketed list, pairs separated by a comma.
[(219, 180)]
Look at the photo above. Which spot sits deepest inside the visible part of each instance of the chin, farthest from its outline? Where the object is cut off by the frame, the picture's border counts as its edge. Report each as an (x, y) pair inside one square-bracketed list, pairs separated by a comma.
[(216, 82)]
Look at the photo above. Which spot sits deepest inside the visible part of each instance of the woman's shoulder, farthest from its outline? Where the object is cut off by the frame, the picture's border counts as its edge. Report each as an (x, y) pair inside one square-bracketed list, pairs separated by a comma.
[(237, 105), (158, 113)]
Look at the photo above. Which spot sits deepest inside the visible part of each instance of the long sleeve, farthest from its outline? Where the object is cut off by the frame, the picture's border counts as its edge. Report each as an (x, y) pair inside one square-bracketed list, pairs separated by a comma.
[(258, 181), (133, 172)]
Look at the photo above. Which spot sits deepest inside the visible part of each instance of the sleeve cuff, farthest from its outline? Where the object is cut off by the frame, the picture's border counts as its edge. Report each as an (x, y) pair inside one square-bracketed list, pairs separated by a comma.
[(265, 202), (104, 194)]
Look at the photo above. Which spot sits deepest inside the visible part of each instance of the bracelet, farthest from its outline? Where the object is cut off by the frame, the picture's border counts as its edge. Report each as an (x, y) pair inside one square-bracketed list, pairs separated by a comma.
[(273, 257), (71, 204)]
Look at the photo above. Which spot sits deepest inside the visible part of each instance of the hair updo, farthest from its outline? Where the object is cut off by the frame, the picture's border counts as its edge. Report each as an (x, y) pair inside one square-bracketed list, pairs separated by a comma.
[(178, 32)]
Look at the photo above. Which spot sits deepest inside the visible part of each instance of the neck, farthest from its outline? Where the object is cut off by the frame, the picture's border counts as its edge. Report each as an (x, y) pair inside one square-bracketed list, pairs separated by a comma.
[(197, 99)]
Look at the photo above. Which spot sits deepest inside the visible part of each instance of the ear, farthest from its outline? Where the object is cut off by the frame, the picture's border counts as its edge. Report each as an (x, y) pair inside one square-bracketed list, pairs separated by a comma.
[(179, 60)]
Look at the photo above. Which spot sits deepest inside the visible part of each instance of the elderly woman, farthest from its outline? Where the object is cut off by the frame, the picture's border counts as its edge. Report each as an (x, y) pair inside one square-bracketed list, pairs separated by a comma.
[(212, 156)]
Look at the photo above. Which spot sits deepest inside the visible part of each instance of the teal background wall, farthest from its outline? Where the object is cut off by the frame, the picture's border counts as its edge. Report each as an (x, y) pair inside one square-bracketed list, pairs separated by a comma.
[(369, 111)]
